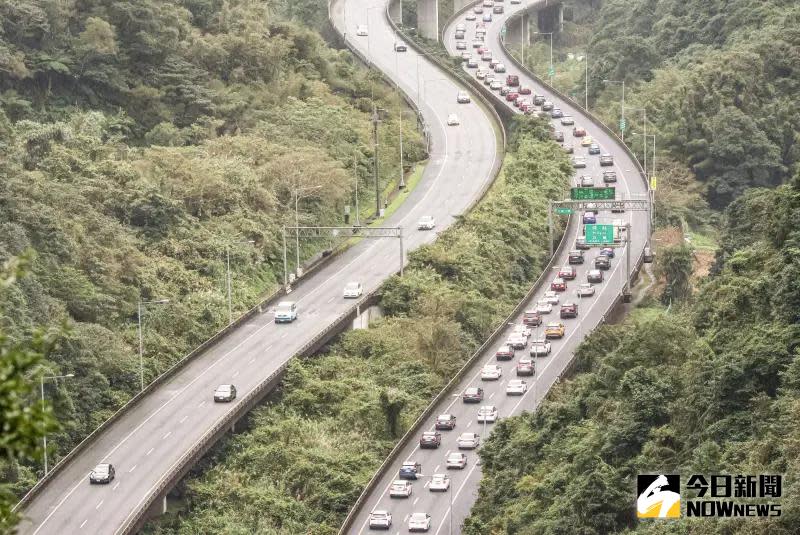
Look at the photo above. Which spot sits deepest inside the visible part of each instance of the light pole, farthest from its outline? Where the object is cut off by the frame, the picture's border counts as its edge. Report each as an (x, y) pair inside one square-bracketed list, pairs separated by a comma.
[(586, 81), (355, 176), (622, 111), (41, 383), (297, 192), (552, 70), (644, 137), (228, 277), (651, 191), (402, 183), (142, 304)]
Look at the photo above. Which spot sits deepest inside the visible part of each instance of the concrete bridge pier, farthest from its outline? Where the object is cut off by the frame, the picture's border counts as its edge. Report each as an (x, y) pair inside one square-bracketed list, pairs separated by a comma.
[(428, 19), (551, 18), (396, 11), (365, 316)]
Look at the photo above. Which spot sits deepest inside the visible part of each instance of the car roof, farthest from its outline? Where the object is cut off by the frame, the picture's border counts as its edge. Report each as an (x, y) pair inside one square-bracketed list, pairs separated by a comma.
[(380, 512)]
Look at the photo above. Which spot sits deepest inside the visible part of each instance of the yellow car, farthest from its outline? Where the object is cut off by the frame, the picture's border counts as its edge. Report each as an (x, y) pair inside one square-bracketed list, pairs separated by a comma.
[(554, 330), (586, 141)]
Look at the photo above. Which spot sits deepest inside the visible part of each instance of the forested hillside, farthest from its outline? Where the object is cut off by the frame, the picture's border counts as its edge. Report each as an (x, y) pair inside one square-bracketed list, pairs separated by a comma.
[(719, 80), (711, 385), (140, 141), (314, 446)]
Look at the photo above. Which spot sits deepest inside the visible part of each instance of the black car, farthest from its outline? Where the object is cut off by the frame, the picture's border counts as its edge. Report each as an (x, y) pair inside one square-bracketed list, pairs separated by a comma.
[(538, 100), (576, 257), (400, 47), (580, 244), (102, 474), (602, 262), (609, 176), (430, 439), (473, 394)]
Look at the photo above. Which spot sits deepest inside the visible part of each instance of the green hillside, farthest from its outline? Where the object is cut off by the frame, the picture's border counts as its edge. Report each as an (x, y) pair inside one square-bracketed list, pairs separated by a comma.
[(140, 141)]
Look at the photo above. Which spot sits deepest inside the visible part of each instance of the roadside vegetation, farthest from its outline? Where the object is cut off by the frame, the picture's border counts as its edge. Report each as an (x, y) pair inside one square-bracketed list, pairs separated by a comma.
[(140, 141), (313, 447)]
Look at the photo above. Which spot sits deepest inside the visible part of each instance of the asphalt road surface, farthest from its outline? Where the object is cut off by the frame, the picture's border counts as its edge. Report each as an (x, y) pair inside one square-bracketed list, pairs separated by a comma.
[(148, 441), (465, 482)]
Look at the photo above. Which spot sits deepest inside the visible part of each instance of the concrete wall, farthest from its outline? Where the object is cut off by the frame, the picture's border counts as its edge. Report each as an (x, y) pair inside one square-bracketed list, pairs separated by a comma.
[(428, 18), (396, 11)]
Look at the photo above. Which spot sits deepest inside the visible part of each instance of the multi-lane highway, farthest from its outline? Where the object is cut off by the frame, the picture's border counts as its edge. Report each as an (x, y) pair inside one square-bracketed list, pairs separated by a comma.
[(149, 440), (464, 482)]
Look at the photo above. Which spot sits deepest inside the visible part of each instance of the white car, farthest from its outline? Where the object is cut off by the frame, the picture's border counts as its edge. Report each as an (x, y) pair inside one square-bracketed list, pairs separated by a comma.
[(487, 56), (480, 74), (585, 290), (286, 312), (461, 45), (472, 63), (426, 222), (419, 522), (487, 413), (380, 520), (353, 290), (491, 372), (500, 68), (477, 43), (522, 330), (452, 120), (551, 297), (400, 489), (517, 341), (468, 441), (488, 3), (495, 85), (471, 16), (540, 348), (456, 460), (461, 27), (543, 307), (516, 387), (567, 120), (439, 483), (361, 30), (400, 46), (516, 1), (463, 97), (466, 56)]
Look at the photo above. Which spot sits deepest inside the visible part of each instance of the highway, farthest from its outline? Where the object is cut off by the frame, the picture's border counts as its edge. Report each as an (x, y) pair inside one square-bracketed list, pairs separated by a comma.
[(149, 441), (464, 483)]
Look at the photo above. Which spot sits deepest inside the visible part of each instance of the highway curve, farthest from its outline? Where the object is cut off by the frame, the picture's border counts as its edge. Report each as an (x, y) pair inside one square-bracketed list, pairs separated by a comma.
[(150, 440), (464, 483)]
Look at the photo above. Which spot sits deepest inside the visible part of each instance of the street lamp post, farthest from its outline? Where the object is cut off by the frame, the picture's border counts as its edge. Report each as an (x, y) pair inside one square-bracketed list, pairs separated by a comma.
[(228, 278), (142, 304), (297, 192), (552, 70), (622, 111), (650, 190), (355, 176), (41, 384), (644, 137)]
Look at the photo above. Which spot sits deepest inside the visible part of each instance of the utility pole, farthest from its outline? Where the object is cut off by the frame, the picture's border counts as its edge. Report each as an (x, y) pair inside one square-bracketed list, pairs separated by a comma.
[(355, 176), (586, 77), (44, 436), (550, 227), (402, 183), (285, 264), (375, 121)]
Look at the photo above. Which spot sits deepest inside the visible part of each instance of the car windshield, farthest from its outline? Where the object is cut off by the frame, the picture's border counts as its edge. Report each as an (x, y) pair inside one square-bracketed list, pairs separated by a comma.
[(418, 517), (284, 307), (439, 478), (471, 391), (352, 286), (380, 514), (223, 388), (444, 418), (101, 469)]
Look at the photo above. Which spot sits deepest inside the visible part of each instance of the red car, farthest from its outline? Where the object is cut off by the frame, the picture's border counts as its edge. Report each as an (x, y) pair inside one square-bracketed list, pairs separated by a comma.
[(512, 80), (569, 310), (512, 96), (567, 273), (558, 285), (481, 50), (578, 131), (524, 90), (504, 353), (531, 318)]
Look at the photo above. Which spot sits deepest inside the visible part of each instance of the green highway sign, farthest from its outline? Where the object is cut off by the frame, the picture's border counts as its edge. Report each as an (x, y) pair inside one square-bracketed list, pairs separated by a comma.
[(551, 71), (592, 194), (560, 210), (599, 234), (622, 124)]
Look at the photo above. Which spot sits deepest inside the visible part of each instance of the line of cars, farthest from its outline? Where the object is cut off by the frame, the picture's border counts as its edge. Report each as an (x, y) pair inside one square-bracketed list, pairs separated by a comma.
[(525, 339)]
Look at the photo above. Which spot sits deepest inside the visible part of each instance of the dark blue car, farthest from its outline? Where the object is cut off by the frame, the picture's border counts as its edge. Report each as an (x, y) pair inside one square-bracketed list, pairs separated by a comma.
[(594, 148), (409, 470), (589, 218), (607, 251)]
